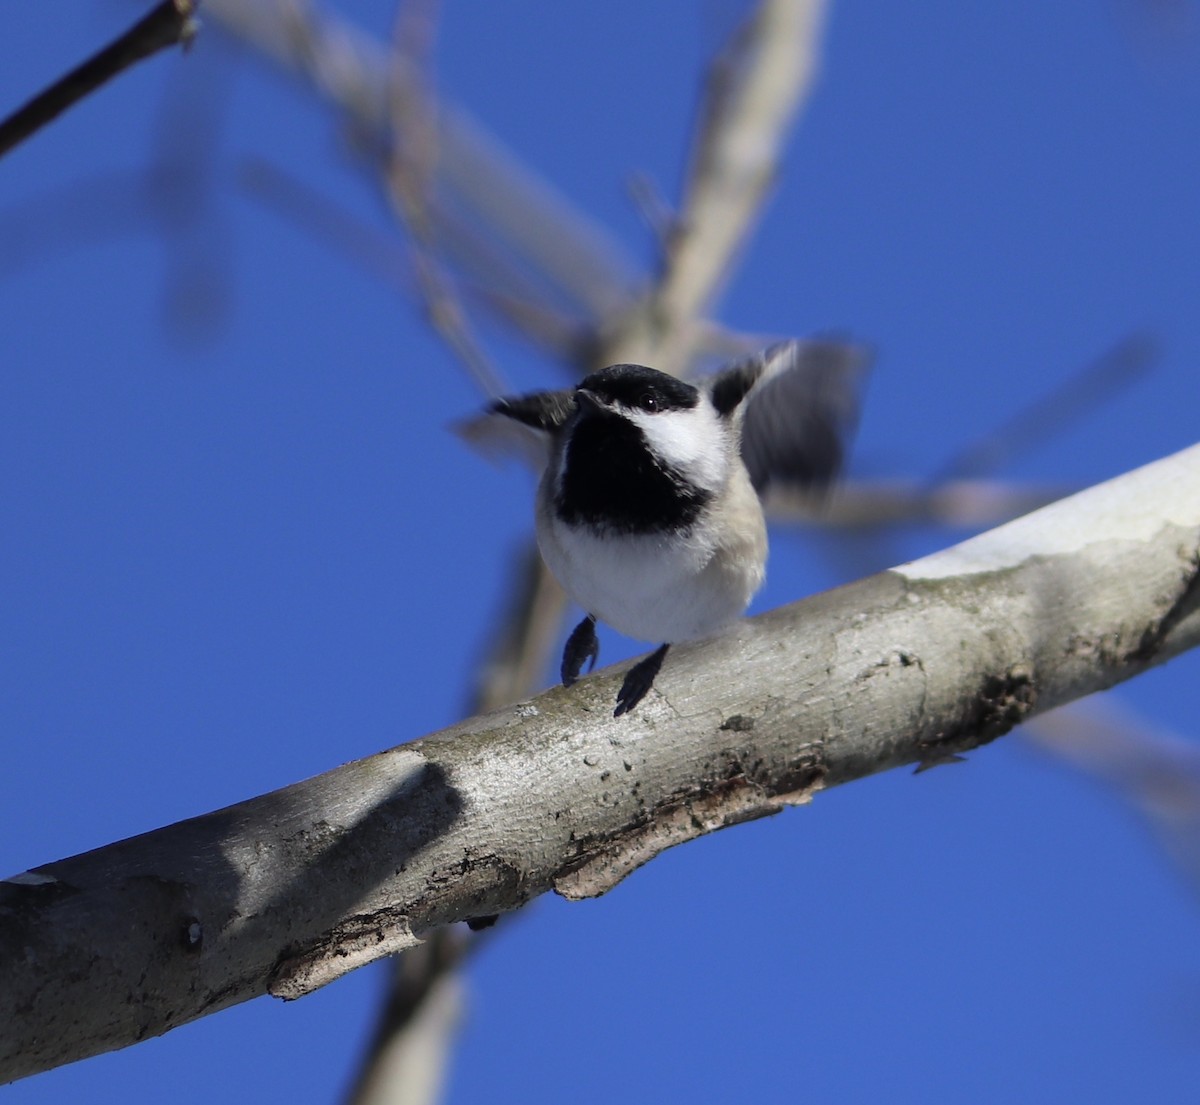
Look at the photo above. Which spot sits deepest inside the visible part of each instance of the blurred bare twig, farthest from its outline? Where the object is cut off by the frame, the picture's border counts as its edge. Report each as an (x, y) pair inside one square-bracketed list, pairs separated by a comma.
[(171, 23), (1157, 773), (754, 90), (413, 155), (405, 1060), (1040, 419), (877, 504), (497, 222), (358, 241)]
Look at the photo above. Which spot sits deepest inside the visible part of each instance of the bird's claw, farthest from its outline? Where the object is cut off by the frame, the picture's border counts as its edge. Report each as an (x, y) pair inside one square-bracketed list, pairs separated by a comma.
[(581, 646), (638, 680)]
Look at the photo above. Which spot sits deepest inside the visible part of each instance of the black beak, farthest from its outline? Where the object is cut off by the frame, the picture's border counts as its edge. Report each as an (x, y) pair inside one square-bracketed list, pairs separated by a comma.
[(589, 402)]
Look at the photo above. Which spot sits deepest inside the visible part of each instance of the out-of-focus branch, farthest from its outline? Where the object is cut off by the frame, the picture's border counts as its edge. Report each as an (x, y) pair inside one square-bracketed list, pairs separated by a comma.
[(1156, 772), (755, 88), (169, 24), (479, 189), (1046, 415), (354, 239), (875, 504), (405, 1061), (557, 255), (408, 176), (517, 659)]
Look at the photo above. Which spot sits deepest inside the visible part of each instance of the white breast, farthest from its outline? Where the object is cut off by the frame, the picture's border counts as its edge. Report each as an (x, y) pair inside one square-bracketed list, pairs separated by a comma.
[(659, 588)]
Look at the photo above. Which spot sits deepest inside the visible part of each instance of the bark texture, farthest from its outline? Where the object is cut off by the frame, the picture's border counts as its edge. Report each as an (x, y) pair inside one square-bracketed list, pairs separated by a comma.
[(287, 891)]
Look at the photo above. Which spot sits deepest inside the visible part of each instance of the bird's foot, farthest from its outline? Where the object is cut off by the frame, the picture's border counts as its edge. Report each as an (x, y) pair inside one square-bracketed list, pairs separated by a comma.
[(638, 680), (581, 646)]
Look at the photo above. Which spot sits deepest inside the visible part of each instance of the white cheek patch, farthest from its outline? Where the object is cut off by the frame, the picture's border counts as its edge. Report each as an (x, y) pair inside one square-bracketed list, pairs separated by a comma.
[(693, 442)]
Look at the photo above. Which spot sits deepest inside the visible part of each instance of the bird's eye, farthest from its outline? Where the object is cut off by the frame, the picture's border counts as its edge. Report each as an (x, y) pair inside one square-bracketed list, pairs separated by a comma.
[(648, 401)]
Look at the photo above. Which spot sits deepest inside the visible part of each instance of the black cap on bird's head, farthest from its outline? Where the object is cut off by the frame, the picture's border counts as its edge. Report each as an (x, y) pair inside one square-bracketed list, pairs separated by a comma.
[(637, 387)]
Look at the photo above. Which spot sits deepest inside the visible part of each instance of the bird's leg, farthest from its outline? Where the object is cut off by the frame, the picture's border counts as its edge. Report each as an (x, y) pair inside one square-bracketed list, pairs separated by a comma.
[(639, 679), (581, 645)]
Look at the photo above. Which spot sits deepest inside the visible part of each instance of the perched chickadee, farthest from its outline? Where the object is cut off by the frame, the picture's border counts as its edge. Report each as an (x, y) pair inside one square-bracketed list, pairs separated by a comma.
[(648, 510)]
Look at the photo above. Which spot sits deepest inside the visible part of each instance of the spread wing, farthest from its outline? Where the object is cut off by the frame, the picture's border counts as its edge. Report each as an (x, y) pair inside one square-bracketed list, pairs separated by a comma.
[(799, 403), (519, 426)]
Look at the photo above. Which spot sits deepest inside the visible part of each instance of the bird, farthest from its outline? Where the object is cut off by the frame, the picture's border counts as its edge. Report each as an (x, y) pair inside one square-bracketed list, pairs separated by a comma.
[(649, 507)]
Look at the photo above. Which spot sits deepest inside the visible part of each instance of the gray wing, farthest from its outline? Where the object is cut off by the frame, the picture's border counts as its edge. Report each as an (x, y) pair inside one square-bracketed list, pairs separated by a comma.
[(799, 404), (520, 426)]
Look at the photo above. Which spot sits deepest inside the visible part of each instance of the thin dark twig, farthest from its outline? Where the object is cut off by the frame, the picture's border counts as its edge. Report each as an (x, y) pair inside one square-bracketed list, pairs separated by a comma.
[(170, 23)]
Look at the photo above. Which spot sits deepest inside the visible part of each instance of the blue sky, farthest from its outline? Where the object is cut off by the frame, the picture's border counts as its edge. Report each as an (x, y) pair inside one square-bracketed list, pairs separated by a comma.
[(240, 546)]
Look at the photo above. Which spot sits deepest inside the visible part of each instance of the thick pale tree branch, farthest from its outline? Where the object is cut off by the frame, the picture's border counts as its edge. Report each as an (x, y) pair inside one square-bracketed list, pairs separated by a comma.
[(287, 891)]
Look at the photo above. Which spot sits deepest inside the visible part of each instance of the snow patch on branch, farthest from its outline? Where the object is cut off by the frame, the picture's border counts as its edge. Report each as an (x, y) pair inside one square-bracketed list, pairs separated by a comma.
[(1134, 507)]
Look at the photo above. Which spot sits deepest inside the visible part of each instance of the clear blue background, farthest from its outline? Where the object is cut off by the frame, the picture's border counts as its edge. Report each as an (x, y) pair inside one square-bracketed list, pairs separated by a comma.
[(238, 547)]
